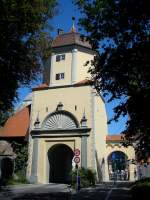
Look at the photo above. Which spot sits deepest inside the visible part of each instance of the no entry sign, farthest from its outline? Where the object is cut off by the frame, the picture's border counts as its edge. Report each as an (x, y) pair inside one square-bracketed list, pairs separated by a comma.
[(76, 159), (76, 152)]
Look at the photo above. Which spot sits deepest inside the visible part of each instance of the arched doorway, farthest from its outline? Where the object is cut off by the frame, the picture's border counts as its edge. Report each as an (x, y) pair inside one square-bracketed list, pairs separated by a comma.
[(7, 167), (60, 161), (118, 166)]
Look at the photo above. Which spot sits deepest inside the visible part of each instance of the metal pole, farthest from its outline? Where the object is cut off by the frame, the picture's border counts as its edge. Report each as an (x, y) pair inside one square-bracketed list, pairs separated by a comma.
[(77, 179), (0, 168), (115, 173)]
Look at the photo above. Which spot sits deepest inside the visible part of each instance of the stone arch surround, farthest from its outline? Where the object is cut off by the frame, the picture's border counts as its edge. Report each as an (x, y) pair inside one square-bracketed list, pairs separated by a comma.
[(52, 143), (129, 152), (60, 163)]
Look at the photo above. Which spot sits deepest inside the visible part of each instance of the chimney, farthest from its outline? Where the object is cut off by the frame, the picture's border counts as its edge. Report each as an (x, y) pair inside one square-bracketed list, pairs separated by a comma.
[(60, 31)]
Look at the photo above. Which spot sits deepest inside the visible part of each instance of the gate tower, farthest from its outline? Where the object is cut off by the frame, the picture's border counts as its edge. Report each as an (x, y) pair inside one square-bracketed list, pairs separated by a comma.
[(66, 114)]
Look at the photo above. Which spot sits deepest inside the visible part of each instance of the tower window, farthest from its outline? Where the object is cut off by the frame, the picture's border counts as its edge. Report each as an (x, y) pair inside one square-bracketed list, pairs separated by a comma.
[(60, 76), (60, 57)]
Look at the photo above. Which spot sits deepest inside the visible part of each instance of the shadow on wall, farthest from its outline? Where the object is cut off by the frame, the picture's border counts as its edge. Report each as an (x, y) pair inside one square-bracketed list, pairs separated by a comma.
[(99, 168)]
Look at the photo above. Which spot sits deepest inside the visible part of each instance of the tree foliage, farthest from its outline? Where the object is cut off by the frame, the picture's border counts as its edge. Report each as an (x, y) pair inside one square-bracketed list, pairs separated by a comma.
[(120, 31), (23, 44), (21, 151), (87, 177)]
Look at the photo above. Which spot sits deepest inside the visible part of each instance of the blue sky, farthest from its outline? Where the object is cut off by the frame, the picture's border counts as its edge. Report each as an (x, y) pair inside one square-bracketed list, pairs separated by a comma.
[(64, 20)]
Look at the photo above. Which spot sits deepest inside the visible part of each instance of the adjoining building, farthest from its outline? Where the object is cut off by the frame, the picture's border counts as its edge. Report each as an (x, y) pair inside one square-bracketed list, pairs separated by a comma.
[(66, 113)]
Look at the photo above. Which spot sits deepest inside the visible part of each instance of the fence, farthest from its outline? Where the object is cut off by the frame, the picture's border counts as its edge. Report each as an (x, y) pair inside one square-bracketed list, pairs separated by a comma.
[(143, 171)]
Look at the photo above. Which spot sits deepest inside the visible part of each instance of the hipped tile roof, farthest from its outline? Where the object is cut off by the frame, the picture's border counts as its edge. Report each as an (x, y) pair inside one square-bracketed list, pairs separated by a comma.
[(17, 125), (83, 82), (113, 138), (41, 87), (80, 83), (70, 39)]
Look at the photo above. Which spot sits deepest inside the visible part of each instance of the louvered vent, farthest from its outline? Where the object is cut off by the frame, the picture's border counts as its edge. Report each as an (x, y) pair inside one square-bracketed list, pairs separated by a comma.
[(59, 121)]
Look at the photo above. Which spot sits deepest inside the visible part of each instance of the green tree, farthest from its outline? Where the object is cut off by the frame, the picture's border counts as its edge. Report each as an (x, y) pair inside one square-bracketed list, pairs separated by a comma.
[(24, 43), (120, 31), (21, 151)]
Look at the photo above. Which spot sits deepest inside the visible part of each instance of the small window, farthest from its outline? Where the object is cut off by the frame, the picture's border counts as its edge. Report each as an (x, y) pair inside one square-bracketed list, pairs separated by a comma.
[(60, 76), (57, 58), (63, 56), (57, 77), (60, 57)]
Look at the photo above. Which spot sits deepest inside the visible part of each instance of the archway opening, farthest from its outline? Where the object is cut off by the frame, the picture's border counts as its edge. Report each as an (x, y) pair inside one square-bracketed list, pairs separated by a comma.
[(60, 161), (7, 168), (118, 166)]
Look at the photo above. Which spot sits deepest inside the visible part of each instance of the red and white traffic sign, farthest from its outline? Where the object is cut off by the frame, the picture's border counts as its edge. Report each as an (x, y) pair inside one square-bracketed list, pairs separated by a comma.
[(76, 159), (77, 152)]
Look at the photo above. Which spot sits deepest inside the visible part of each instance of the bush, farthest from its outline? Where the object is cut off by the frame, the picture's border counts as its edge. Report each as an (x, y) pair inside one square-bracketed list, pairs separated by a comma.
[(87, 177), (21, 177), (141, 189), (18, 178), (21, 150)]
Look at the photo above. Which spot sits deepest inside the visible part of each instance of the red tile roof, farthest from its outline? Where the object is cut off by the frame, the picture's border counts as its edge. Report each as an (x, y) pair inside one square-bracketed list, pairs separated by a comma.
[(80, 83), (17, 125), (41, 87), (83, 82), (70, 39), (113, 138)]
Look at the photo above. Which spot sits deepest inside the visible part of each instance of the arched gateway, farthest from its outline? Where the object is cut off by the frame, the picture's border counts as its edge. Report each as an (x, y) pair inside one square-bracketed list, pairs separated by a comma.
[(119, 159), (60, 163), (118, 166), (54, 142)]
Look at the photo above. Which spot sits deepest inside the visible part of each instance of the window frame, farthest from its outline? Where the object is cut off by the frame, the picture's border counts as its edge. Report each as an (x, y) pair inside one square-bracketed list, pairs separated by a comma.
[(60, 76), (60, 57)]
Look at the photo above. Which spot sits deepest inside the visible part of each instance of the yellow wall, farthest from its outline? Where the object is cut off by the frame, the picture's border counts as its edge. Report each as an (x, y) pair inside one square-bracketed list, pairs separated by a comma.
[(82, 71), (82, 97), (69, 96), (63, 66)]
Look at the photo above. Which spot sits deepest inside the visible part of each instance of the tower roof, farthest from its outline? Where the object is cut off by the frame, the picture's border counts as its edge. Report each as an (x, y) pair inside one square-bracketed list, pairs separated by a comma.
[(71, 38)]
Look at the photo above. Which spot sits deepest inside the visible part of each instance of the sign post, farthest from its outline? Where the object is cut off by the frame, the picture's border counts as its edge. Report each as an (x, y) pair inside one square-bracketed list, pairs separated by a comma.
[(77, 160)]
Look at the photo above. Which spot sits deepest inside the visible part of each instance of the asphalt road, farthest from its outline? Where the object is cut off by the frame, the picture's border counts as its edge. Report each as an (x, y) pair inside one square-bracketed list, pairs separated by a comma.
[(107, 191)]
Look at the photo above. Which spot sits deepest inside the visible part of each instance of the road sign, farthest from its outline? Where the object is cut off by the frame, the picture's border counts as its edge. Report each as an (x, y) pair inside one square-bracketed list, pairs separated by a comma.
[(76, 152), (76, 159)]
